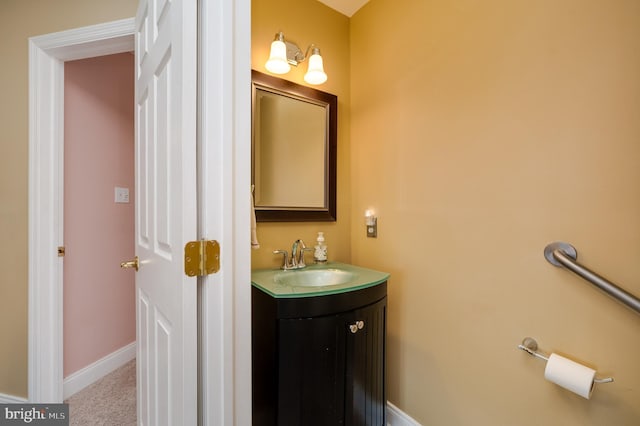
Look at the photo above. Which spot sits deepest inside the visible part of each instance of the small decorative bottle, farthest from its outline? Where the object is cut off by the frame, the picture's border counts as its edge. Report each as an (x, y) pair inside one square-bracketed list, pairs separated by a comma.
[(320, 250)]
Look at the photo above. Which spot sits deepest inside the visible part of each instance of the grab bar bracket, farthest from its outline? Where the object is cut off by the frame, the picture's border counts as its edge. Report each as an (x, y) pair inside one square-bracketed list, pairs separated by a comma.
[(566, 248)]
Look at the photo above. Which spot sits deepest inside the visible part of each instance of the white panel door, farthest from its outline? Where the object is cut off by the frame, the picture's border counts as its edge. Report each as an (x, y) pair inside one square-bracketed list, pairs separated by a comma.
[(166, 211)]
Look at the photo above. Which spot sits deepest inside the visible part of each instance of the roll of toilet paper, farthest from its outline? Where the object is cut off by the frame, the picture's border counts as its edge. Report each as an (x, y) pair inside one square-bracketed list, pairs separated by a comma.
[(570, 375)]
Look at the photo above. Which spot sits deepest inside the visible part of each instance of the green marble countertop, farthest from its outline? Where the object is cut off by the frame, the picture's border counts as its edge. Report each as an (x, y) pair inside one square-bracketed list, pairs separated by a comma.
[(282, 284)]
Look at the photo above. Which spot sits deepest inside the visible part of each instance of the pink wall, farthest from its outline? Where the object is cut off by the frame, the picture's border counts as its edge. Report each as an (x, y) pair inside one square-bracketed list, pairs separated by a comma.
[(99, 307)]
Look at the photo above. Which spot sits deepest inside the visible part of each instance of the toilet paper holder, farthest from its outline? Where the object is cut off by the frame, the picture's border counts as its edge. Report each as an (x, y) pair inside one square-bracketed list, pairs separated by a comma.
[(530, 346)]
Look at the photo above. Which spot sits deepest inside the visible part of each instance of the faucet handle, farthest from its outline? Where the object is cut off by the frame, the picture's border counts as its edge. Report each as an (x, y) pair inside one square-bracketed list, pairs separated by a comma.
[(285, 263), (301, 263)]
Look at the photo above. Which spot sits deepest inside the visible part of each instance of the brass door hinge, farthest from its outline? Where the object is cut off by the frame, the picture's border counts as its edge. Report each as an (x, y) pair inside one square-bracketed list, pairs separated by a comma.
[(61, 251), (201, 258)]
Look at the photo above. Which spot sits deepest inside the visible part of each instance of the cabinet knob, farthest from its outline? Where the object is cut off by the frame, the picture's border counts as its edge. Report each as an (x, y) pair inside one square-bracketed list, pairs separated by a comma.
[(358, 325)]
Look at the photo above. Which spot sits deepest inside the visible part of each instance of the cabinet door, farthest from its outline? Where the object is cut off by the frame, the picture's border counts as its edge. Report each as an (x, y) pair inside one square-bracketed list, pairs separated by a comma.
[(311, 388), (330, 373), (365, 366)]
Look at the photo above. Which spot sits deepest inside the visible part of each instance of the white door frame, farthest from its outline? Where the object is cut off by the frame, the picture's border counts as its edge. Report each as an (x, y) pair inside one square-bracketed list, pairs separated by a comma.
[(225, 171), (225, 336), (47, 55)]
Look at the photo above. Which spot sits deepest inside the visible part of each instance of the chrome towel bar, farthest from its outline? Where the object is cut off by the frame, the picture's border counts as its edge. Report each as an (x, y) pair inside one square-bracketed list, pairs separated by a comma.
[(564, 254)]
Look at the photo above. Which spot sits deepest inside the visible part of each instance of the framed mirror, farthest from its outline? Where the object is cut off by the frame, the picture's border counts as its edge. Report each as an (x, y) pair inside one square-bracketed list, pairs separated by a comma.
[(293, 155)]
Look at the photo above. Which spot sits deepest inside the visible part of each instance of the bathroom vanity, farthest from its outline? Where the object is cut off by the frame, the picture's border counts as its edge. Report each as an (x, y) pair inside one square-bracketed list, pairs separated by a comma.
[(319, 350)]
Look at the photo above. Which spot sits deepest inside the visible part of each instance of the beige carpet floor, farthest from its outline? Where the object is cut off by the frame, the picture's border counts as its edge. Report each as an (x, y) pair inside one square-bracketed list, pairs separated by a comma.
[(111, 401)]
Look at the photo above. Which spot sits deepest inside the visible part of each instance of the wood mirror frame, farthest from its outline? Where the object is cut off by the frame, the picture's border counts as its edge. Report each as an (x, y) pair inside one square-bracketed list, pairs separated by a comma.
[(326, 210)]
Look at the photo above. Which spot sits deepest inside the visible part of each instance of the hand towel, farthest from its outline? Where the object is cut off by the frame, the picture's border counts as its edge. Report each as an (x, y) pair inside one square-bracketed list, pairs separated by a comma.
[(254, 235)]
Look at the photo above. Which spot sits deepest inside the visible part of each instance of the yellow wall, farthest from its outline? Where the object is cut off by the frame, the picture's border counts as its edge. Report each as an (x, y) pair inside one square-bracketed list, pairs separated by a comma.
[(480, 132), (305, 22), (19, 20)]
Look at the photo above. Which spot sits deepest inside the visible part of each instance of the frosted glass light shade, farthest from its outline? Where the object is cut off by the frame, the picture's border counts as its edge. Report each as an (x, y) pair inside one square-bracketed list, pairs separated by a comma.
[(277, 62), (315, 73)]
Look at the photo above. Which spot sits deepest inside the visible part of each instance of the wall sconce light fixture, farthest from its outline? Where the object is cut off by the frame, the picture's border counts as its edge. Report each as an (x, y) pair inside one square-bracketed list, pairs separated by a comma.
[(285, 53)]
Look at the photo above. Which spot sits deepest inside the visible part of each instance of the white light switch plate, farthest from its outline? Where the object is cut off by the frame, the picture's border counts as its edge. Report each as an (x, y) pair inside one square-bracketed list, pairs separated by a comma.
[(122, 195)]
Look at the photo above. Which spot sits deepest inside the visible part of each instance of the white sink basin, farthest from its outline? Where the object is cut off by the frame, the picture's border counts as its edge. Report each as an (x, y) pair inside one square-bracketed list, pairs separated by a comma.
[(313, 277)]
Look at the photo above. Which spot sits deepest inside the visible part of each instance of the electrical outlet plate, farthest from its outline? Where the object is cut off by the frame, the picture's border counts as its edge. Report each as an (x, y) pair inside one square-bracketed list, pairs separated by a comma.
[(372, 230)]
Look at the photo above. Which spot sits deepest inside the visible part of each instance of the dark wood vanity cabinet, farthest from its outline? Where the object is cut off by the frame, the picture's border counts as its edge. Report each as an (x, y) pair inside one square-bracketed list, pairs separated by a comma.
[(319, 360)]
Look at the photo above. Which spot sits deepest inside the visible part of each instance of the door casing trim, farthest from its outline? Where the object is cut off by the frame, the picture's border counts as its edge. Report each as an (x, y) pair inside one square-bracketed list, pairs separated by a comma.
[(47, 54)]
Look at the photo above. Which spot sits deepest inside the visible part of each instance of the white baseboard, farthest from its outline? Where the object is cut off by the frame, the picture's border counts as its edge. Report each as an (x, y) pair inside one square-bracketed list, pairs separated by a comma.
[(10, 399), (93, 372), (396, 417)]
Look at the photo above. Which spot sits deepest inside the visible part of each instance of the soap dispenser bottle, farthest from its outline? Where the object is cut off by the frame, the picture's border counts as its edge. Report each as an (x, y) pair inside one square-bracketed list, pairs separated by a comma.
[(320, 250)]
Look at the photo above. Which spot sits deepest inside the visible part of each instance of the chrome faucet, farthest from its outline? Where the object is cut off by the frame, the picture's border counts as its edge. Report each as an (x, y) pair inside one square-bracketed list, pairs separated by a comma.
[(297, 256)]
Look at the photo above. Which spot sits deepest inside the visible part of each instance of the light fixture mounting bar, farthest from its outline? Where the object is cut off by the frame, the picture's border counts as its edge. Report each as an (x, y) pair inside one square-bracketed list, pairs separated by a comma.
[(294, 53)]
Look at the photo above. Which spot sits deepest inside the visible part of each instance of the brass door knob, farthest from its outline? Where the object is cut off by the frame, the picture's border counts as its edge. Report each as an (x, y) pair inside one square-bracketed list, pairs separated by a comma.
[(135, 264)]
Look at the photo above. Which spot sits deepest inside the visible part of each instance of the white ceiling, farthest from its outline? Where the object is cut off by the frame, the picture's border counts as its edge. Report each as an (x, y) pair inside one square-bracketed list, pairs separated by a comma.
[(346, 7)]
